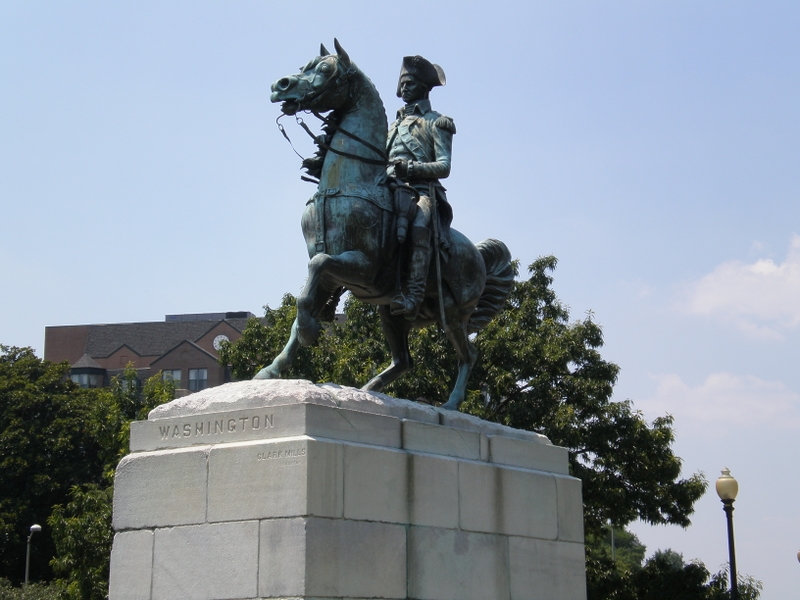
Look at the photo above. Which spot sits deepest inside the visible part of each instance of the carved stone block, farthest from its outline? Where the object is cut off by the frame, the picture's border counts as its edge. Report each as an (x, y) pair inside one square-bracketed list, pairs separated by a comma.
[(376, 484), (528, 454), (445, 441), (508, 501), (446, 564), (331, 558), (158, 489), (433, 491), (131, 565), (287, 477), (545, 569), (570, 504), (206, 562)]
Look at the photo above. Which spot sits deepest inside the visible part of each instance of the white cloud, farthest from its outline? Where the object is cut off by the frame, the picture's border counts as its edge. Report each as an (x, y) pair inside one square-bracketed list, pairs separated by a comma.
[(762, 298), (724, 400)]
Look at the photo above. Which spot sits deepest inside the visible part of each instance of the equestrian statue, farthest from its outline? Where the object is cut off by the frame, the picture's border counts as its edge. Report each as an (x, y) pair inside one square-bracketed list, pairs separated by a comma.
[(379, 223)]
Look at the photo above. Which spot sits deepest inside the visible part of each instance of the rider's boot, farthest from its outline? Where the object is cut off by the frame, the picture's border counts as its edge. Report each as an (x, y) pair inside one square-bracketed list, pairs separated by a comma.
[(410, 303)]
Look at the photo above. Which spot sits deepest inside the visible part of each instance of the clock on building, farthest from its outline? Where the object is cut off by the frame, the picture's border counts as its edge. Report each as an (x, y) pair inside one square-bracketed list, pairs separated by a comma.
[(218, 341)]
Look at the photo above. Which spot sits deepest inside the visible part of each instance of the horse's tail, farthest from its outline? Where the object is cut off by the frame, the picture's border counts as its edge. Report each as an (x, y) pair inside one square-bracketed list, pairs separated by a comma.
[(500, 273)]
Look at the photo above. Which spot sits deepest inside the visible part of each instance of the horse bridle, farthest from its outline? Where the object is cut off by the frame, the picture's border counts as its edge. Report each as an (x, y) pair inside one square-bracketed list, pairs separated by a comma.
[(332, 125), (333, 81)]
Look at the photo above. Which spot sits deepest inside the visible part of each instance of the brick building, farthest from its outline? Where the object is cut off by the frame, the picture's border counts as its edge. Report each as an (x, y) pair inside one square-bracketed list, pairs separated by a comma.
[(183, 347)]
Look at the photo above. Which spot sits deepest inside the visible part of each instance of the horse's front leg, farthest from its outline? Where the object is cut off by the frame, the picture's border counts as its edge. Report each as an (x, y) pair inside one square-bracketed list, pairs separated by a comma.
[(284, 360)]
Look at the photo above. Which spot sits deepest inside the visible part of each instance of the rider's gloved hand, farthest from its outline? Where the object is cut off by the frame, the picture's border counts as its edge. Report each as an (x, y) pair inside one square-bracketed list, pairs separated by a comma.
[(401, 168)]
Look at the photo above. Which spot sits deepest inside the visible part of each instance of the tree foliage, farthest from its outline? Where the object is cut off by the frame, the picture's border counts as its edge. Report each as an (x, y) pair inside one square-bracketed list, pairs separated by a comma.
[(83, 535), (59, 446), (33, 591), (618, 547), (542, 372), (663, 576), (81, 528), (53, 436)]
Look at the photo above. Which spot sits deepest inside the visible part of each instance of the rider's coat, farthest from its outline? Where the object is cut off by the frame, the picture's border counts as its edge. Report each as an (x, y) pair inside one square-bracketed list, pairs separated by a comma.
[(424, 138)]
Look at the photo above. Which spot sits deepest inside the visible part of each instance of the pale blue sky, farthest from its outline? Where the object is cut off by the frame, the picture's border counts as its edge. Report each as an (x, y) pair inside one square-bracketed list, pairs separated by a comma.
[(653, 147)]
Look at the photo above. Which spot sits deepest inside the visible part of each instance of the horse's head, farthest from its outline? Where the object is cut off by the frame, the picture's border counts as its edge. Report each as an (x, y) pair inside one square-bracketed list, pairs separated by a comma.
[(321, 85)]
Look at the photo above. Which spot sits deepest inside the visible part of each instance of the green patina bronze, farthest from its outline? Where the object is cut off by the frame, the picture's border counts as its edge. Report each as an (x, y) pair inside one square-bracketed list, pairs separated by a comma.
[(351, 223)]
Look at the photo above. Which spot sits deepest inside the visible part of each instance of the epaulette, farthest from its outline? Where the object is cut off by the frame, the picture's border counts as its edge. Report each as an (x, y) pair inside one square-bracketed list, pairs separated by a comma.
[(446, 123)]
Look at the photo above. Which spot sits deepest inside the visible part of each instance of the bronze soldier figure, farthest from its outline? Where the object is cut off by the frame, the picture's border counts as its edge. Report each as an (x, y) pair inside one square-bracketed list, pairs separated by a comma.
[(419, 145)]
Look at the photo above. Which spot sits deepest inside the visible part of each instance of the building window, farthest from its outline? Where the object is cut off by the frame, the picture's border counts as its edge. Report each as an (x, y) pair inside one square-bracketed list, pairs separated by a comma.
[(85, 380), (173, 375), (198, 379), (131, 385)]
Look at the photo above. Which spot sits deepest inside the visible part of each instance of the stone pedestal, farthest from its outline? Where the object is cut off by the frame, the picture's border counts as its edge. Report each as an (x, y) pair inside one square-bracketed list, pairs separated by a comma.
[(285, 489)]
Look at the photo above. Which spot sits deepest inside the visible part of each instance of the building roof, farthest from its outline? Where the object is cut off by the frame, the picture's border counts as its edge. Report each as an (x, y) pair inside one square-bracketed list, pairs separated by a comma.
[(86, 362), (166, 355), (149, 339)]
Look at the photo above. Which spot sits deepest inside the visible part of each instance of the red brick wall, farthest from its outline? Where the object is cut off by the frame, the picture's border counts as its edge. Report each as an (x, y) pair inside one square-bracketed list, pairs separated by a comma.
[(122, 356), (66, 342)]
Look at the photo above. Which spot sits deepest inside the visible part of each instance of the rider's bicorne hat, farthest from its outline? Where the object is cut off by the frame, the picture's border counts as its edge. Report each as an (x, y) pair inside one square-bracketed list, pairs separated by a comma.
[(424, 70)]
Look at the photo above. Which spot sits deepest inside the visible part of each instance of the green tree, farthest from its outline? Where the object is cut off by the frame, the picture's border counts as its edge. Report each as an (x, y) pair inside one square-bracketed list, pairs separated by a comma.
[(33, 591), (81, 528), (610, 563), (83, 535), (620, 547), (539, 371), (53, 436), (749, 588), (664, 576), (59, 446)]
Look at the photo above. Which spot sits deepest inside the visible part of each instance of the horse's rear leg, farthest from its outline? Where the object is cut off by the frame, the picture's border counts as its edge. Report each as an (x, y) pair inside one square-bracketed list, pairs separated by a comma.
[(467, 355), (396, 331)]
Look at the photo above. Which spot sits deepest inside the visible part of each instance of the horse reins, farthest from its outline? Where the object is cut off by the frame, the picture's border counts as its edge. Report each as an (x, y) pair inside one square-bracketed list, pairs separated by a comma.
[(319, 142), (336, 127)]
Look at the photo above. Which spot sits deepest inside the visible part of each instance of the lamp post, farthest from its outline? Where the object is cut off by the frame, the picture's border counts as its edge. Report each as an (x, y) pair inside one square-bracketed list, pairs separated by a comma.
[(34, 529), (727, 488)]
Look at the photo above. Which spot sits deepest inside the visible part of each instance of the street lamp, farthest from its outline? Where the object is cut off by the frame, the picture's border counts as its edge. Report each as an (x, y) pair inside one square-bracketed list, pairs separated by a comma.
[(727, 488), (34, 529)]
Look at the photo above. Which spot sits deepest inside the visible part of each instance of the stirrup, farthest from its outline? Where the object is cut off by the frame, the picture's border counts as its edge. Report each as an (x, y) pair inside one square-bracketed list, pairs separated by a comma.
[(403, 305)]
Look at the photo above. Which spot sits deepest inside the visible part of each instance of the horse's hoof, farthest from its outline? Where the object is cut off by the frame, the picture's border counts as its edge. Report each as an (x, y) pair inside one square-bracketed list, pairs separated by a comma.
[(450, 405), (374, 385)]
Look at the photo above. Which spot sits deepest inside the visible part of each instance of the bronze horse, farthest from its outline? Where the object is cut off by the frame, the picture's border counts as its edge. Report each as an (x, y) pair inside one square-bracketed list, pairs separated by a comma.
[(350, 230)]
